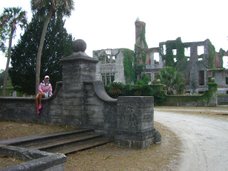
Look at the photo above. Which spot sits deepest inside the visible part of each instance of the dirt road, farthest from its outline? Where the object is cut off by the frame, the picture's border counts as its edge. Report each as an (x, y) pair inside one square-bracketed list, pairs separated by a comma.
[(204, 138)]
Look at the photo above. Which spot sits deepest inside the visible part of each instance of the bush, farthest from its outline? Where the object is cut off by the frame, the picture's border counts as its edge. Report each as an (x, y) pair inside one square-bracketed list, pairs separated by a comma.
[(119, 89), (115, 89)]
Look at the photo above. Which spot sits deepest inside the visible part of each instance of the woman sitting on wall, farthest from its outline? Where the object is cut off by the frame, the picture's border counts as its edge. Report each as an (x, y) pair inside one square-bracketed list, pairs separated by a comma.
[(44, 91)]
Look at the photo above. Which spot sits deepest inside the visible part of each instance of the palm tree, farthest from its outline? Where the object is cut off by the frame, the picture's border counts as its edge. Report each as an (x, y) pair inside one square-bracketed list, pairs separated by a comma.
[(9, 20), (47, 9), (173, 80)]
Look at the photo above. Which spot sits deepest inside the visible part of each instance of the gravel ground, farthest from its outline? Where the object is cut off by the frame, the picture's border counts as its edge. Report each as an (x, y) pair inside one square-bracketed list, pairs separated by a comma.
[(164, 156), (209, 111), (203, 133), (158, 157)]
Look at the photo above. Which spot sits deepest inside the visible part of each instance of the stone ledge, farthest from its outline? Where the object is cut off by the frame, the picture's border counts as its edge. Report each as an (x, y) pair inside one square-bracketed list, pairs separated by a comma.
[(79, 56), (34, 160)]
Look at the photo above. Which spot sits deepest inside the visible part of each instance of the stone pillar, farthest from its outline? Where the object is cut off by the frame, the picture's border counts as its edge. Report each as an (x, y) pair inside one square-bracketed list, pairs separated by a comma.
[(193, 68), (213, 101), (160, 61), (77, 68), (152, 59), (140, 29), (135, 125)]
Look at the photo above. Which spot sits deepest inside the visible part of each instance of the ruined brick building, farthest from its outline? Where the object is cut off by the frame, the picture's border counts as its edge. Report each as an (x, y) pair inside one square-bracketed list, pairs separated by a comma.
[(202, 61)]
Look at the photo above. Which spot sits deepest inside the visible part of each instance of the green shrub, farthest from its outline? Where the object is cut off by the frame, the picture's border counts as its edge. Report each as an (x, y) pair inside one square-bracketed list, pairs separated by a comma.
[(115, 89), (119, 89)]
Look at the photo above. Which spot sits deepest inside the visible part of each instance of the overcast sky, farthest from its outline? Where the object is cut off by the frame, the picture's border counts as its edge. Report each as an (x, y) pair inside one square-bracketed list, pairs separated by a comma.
[(110, 23)]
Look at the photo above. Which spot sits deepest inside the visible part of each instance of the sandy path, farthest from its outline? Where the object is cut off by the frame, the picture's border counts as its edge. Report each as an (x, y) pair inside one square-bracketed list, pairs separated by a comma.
[(204, 139), (110, 157)]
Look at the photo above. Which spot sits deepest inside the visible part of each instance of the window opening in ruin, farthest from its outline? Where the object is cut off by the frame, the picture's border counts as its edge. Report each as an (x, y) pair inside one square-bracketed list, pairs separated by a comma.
[(108, 51), (225, 62), (200, 58), (156, 58), (200, 50), (201, 77), (164, 49), (174, 52), (187, 51), (108, 59), (226, 80), (200, 53), (113, 59), (108, 78), (156, 62)]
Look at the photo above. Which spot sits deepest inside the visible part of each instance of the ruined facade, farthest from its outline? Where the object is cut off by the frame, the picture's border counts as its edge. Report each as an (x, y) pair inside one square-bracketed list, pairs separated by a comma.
[(110, 67), (202, 62), (195, 71)]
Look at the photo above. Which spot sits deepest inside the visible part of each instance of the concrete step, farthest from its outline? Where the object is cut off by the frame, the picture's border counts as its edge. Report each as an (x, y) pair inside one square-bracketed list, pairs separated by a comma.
[(57, 140), (33, 138), (80, 146), (64, 142)]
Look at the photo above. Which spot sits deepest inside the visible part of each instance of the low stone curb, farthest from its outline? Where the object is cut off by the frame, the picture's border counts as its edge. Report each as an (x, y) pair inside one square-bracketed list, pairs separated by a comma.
[(34, 160)]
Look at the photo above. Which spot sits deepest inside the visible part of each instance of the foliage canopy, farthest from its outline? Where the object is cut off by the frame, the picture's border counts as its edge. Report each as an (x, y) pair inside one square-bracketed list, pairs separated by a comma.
[(58, 43)]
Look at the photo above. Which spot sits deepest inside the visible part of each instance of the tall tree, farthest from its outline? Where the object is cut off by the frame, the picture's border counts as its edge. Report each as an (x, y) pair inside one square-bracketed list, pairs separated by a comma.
[(47, 9), (9, 20), (58, 43)]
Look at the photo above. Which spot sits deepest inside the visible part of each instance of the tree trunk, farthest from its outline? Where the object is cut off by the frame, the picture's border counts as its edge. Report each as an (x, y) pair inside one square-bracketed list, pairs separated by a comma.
[(40, 49), (7, 63)]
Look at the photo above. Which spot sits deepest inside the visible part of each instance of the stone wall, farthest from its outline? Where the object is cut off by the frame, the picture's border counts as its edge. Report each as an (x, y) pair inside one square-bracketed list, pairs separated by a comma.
[(100, 109), (209, 98), (17, 109), (135, 126), (97, 109), (220, 77), (223, 99), (23, 109), (81, 101)]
